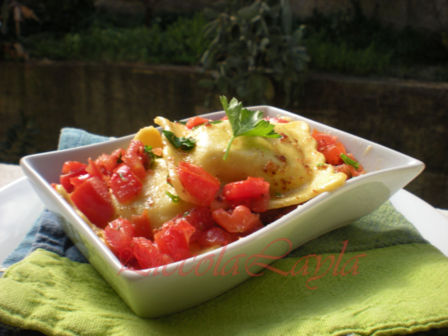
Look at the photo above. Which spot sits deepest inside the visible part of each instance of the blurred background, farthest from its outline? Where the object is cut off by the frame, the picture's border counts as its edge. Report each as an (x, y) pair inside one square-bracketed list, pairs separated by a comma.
[(374, 68)]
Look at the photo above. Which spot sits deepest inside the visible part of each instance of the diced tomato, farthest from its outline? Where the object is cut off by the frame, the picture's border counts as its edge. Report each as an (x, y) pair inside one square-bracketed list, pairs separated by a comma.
[(73, 167), (333, 153), (196, 121), (93, 169), (107, 163), (70, 170), (125, 184), (136, 158), (200, 184), (330, 146), (79, 179), (92, 198), (174, 238), (66, 180), (323, 139), (118, 235), (201, 218), (215, 236), (142, 225), (238, 220), (349, 170), (252, 192), (148, 253)]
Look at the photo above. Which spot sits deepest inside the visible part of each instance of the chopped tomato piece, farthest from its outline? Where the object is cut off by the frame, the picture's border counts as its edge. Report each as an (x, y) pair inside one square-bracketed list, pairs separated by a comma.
[(92, 198), (142, 225), (107, 163), (125, 184), (118, 235), (93, 169), (136, 158), (79, 179), (201, 218), (215, 236), (174, 238), (330, 146), (238, 220), (200, 184), (252, 192), (333, 153), (73, 167), (148, 253), (70, 170), (196, 121), (349, 170), (67, 180), (323, 139)]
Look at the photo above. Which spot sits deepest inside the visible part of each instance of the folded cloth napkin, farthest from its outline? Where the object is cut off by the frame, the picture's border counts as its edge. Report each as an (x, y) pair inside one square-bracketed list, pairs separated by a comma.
[(377, 276)]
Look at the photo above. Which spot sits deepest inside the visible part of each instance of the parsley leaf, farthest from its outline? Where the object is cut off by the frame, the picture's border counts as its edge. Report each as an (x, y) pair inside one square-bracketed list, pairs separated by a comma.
[(349, 161), (183, 143), (245, 122), (174, 198)]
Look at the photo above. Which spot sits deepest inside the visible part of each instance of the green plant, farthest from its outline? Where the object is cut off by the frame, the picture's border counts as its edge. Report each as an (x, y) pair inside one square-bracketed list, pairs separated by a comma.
[(255, 53), (182, 42)]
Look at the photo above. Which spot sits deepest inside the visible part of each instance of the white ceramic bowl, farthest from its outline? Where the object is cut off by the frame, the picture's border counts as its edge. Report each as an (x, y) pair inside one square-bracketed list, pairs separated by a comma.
[(190, 282)]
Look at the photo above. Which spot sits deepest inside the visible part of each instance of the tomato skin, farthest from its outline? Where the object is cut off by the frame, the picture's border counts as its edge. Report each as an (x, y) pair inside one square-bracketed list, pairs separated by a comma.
[(73, 167), (349, 170), (174, 238), (92, 198), (136, 158), (330, 146), (93, 169), (67, 180), (252, 192), (200, 184), (148, 253), (107, 163), (71, 170), (125, 184), (238, 220), (202, 220), (118, 235), (142, 225), (215, 236), (195, 121)]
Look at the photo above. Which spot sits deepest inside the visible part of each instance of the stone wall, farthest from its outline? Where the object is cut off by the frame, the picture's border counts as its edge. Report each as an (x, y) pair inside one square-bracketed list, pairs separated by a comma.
[(408, 116)]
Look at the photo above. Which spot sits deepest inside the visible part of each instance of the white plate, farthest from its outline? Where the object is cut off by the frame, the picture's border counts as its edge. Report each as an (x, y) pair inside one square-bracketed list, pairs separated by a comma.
[(19, 209), (152, 295)]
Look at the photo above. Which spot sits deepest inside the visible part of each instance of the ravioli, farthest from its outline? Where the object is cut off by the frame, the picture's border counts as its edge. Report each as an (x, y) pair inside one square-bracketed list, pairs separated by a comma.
[(291, 164), (154, 198)]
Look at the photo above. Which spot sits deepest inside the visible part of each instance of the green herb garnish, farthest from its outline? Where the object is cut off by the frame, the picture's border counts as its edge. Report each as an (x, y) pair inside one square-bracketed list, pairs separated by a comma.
[(120, 174), (214, 122), (174, 198), (245, 122), (150, 153), (349, 161), (185, 144)]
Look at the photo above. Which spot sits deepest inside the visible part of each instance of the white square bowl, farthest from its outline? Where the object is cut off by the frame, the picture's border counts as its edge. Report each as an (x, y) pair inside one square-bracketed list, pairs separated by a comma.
[(187, 283)]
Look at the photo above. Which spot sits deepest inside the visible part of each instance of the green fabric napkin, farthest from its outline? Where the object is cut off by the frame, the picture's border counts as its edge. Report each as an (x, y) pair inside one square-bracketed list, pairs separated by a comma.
[(388, 281)]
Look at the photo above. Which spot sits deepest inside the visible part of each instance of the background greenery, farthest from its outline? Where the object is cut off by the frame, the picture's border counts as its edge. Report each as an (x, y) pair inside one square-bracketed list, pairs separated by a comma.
[(347, 43)]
